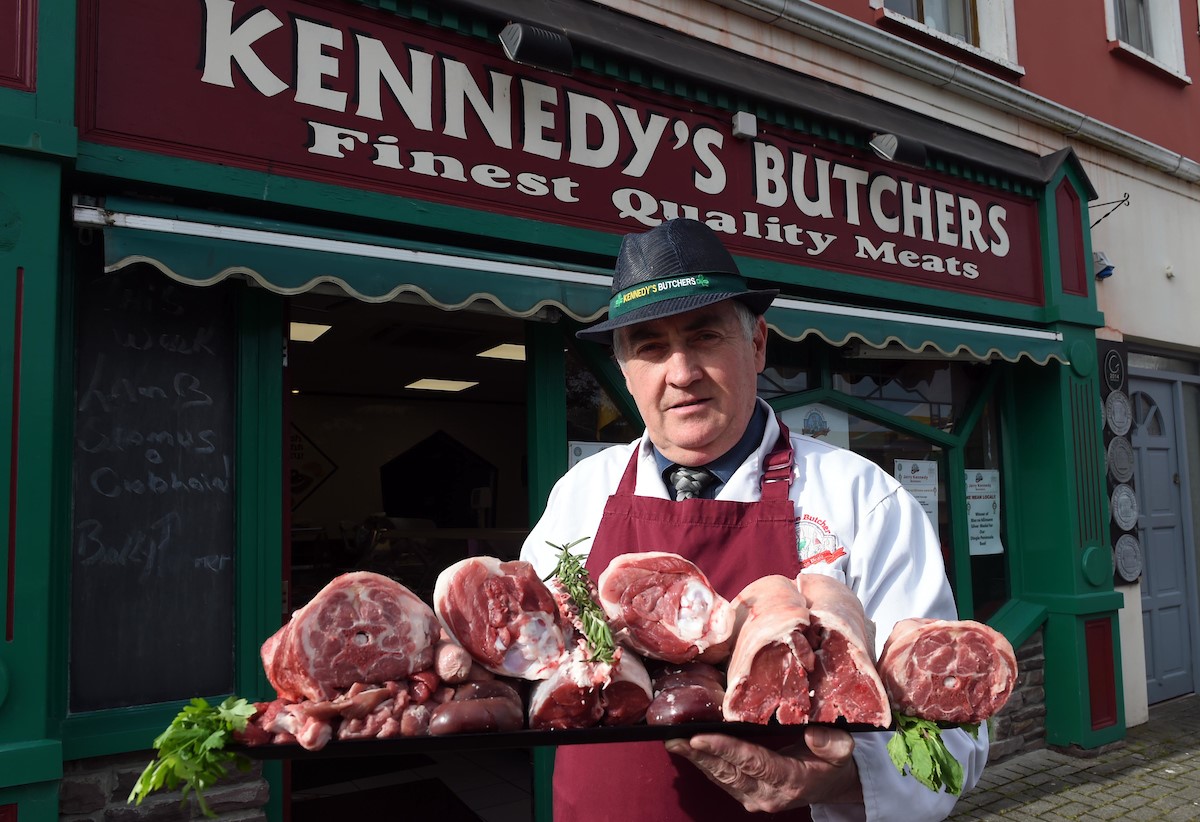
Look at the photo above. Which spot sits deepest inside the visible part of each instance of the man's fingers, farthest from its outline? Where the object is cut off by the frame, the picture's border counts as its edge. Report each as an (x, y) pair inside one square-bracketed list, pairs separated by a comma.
[(714, 765), (833, 745)]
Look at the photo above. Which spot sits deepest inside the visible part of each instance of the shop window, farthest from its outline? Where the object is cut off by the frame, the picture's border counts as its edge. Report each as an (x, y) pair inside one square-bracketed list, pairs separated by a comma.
[(987, 535), (931, 422), (1150, 30), (788, 371), (931, 392), (597, 413), (985, 27)]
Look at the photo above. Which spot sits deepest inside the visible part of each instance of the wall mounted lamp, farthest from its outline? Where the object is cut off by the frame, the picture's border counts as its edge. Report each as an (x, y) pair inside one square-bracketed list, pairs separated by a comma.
[(898, 149), (1102, 267), (538, 47)]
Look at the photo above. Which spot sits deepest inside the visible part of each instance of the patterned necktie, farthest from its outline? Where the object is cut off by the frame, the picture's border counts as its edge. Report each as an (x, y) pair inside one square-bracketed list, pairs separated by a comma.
[(689, 482)]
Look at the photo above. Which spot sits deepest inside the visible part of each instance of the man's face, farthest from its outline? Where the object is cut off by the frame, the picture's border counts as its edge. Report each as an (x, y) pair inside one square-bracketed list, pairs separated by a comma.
[(694, 377)]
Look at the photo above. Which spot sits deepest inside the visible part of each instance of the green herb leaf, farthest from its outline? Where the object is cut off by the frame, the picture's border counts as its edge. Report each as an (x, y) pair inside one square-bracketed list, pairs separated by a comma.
[(574, 579), (191, 751), (917, 748)]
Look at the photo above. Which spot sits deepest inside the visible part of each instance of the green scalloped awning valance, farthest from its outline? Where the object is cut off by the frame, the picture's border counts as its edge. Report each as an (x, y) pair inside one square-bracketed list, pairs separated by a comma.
[(202, 248), (922, 334)]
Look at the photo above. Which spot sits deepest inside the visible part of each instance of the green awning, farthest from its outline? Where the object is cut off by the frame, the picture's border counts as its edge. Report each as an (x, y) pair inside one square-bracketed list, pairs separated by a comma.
[(201, 248), (293, 259), (881, 330)]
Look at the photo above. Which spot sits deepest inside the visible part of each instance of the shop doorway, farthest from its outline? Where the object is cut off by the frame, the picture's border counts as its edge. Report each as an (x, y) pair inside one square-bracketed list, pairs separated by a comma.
[(406, 438), (1168, 579)]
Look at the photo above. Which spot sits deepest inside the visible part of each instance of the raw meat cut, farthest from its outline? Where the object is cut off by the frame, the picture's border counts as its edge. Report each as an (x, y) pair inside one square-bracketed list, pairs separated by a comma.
[(483, 707), (452, 662), (768, 671), (692, 692), (843, 681), (562, 701), (663, 607), (627, 696), (361, 628), (502, 614), (583, 694), (947, 670)]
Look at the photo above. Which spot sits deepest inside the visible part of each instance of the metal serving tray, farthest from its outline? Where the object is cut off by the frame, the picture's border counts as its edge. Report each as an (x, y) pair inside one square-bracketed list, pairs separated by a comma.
[(772, 735)]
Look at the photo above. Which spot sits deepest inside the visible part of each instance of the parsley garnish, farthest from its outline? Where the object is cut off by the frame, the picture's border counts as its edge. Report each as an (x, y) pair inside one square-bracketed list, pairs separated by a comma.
[(918, 747), (191, 751)]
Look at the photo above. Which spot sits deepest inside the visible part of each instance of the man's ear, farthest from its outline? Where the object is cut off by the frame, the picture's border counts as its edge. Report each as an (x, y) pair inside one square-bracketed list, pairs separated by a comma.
[(760, 344)]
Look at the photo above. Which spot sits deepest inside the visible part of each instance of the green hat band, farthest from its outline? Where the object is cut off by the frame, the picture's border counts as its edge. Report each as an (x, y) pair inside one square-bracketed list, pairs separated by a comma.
[(656, 291)]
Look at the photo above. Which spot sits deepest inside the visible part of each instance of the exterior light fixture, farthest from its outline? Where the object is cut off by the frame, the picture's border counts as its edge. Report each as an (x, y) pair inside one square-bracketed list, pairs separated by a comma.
[(1102, 267), (745, 125), (538, 47), (898, 149)]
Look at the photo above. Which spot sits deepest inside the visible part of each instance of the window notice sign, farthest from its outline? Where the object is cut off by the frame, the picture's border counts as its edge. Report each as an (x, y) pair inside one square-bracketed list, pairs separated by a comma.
[(983, 511), (920, 478)]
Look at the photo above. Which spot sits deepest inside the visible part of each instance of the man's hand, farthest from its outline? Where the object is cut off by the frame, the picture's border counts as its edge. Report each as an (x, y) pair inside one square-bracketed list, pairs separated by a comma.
[(821, 769)]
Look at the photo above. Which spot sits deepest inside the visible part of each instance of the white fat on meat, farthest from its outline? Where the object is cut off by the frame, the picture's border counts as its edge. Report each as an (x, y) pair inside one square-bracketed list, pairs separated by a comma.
[(663, 606), (768, 670), (843, 682), (503, 615)]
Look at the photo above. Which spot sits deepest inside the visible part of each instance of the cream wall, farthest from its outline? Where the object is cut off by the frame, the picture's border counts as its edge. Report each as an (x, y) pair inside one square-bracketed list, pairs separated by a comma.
[(1155, 245)]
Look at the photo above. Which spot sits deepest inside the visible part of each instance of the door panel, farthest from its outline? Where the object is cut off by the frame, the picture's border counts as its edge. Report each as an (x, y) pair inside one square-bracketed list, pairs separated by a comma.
[(1167, 613)]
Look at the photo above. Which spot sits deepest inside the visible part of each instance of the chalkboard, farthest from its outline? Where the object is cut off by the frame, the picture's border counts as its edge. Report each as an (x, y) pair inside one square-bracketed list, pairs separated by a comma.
[(152, 555)]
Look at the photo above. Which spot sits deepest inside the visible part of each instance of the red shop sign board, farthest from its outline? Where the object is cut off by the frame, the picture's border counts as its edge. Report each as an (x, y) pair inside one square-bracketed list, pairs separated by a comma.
[(355, 97)]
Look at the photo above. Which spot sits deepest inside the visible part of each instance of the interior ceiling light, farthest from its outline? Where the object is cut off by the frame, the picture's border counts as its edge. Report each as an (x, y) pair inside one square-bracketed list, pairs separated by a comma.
[(431, 384), (306, 332), (504, 351)]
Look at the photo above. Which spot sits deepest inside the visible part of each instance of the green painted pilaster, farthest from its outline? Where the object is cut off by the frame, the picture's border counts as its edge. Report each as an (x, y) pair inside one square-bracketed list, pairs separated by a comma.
[(30, 756), (1058, 464), (546, 421)]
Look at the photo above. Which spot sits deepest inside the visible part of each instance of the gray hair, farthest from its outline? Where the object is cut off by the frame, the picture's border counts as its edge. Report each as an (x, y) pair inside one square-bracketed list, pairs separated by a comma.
[(746, 318)]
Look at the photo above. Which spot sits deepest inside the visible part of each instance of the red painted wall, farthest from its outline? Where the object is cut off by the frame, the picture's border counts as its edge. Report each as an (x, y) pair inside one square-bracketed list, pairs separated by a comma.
[(1066, 58)]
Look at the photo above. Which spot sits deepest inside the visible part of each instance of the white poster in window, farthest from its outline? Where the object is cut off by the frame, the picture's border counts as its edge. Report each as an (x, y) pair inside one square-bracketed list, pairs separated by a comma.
[(920, 478), (983, 511), (820, 422), (580, 449)]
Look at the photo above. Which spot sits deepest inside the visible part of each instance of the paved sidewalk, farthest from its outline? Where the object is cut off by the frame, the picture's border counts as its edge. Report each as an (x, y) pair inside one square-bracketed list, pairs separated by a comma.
[(1153, 775)]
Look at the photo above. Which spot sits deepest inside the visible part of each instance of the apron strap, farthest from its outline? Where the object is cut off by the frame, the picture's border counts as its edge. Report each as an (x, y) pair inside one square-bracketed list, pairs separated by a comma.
[(777, 467)]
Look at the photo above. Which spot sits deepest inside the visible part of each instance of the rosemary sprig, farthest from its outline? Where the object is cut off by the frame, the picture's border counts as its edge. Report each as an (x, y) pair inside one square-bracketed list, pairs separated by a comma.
[(574, 579)]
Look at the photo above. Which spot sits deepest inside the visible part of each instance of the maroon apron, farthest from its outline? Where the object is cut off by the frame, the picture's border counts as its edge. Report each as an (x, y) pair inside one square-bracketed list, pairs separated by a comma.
[(734, 543)]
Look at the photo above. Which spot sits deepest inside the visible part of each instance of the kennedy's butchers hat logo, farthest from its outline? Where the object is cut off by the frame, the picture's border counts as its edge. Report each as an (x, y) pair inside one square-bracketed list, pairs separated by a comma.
[(674, 267)]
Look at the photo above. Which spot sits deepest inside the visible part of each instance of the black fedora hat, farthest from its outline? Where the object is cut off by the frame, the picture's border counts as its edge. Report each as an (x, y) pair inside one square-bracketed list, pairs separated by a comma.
[(677, 266)]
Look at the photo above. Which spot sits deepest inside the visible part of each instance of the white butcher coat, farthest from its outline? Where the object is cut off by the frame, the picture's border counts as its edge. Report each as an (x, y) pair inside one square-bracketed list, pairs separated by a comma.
[(854, 523)]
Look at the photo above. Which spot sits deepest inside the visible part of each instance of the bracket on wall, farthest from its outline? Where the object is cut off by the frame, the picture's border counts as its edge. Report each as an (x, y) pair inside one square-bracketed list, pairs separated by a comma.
[(1115, 205)]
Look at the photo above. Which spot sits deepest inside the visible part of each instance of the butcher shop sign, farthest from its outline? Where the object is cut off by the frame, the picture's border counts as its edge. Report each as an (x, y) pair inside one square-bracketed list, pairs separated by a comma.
[(353, 96)]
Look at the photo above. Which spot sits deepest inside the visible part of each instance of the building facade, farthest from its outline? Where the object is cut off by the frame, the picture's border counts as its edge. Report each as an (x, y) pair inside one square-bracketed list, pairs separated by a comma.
[(188, 187)]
